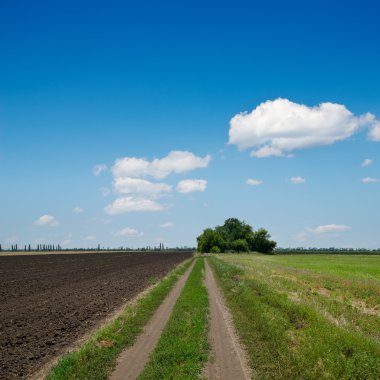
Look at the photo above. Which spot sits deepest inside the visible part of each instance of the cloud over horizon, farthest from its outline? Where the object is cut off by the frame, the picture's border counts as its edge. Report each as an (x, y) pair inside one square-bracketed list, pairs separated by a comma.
[(329, 228), (370, 180), (167, 225), (279, 127), (127, 231), (254, 182), (132, 204), (297, 180), (128, 185), (367, 162), (46, 220), (326, 230), (130, 177)]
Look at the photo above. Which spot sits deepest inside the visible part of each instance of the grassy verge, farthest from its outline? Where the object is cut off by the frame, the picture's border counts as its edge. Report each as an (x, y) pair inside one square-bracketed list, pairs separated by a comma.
[(182, 349), (97, 357), (286, 334)]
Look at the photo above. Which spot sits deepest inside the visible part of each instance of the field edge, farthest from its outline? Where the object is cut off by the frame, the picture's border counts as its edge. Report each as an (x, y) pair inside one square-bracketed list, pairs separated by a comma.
[(96, 357)]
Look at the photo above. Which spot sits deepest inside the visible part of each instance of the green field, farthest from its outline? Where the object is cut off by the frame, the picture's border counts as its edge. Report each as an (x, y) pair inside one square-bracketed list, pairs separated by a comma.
[(306, 317)]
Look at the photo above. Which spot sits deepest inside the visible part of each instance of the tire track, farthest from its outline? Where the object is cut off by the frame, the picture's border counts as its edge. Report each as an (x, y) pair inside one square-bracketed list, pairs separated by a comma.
[(227, 360), (131, 362)]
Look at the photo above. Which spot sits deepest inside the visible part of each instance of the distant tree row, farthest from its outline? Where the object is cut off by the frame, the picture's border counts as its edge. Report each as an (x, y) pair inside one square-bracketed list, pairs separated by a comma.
[(58, 247), (236, 236), (39, 247), (330, 250)]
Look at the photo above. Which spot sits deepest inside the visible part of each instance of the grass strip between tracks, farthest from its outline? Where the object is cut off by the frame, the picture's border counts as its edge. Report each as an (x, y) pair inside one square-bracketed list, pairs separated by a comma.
[(291, 340), (182, 349), (97, 357)]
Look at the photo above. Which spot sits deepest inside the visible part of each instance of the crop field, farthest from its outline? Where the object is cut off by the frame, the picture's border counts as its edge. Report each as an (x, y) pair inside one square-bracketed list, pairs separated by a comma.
[(49, 301), (282, 316), (305, 316)]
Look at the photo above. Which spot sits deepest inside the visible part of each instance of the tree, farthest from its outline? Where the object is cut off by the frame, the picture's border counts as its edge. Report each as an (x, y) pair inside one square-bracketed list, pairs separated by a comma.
[(237, 236), (234, 229), (240, 245), (215, 249), (210, 238), (262, 242)]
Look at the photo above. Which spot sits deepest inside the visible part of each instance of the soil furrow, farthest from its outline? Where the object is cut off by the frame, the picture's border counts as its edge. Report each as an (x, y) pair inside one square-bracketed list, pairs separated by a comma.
[(49, 301)]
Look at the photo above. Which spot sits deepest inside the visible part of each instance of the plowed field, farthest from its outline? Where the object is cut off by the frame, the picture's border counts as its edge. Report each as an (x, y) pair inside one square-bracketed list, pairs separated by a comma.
[(47, 302)]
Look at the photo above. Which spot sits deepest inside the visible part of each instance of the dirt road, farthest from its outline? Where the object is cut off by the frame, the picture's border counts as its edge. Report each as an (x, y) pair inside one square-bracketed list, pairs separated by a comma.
[(227, 357), (132, 361)]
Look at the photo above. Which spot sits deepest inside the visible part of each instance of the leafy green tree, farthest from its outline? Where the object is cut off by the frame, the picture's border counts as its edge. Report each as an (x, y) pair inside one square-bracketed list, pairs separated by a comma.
[(234, 229), (215, 249), (240, 245), (210, 238), (262, 243), (237, 236)]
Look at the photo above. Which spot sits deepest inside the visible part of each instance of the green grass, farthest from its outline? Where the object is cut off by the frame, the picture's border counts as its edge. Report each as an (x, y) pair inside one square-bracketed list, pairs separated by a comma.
[(305, 317), (182, 349), (97, 357), (354, 266)]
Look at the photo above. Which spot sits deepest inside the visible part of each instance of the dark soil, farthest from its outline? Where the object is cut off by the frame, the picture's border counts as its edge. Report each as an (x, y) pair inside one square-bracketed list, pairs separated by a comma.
[(47, 302)]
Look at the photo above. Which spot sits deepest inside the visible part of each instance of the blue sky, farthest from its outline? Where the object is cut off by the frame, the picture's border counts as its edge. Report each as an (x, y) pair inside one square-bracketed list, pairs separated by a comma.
[(88, 83)]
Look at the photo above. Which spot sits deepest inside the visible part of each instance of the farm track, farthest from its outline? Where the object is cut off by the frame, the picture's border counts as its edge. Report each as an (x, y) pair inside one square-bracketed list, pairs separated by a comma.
[(227, 359), (48, 302), (132, 361)]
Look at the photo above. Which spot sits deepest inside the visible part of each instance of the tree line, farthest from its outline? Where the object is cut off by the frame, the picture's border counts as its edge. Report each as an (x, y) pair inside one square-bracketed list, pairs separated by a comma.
[(28, 248), (58, 247), (235, 236)]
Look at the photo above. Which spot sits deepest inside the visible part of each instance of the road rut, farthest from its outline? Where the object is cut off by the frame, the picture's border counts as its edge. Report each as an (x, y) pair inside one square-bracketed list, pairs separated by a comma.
[(227, 358), (131, 362)]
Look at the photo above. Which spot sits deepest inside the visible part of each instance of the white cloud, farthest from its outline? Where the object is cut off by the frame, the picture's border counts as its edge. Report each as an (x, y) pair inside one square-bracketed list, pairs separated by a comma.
[(105, 191), (190, 185), (127, 185), (278, 127), (297, 180), (97, 169), (167, 225), (175, 162), (77, 210), (46, 220), (254, 182), (370, 180), (367, 162), (130, 232), (374, 132), (329, 228), (130, 204), (267, 151), (90, 237)]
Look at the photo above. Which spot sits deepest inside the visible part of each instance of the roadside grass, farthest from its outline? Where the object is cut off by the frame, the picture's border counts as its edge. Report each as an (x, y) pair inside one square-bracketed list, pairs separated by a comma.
[(97, 357), (182, 349), (350, 300), (293, 327)]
